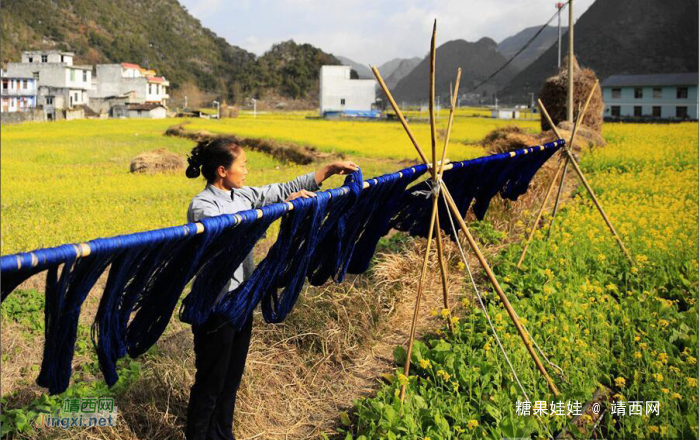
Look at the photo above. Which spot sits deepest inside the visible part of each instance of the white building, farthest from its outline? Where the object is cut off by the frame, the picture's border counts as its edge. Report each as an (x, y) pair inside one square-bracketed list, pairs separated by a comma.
[(17, 93), (342, 96), (505, 113), (126, 83), (57, 79)]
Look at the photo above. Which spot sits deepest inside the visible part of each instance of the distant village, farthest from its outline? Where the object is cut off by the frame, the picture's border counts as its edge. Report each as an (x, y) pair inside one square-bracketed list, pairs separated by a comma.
[(47, 86)]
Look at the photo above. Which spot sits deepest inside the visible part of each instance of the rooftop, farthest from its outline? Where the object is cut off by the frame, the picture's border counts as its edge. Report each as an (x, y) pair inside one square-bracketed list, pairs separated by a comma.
[(659, 79)]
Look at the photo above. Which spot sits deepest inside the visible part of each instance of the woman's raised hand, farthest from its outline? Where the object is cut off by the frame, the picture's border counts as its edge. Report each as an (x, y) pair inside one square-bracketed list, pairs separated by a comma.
[(300, 194), (338, 167)]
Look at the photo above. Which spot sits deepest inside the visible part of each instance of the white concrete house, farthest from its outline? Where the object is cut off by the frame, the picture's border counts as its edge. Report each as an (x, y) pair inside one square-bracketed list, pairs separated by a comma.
[(55, 74), (505, 113), (342, 96), (126, 84), (18, 93)]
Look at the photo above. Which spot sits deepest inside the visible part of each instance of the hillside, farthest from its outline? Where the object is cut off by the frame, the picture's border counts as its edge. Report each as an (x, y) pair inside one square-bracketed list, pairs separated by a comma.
[(388, 68), (622, 37), (162, 35), (362, 70), (509, 46), (477, 60), (401, 70)]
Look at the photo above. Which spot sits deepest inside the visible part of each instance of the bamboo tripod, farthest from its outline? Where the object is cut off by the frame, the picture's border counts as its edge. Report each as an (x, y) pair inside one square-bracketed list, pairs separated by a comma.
[(439, 188), (566, 160)]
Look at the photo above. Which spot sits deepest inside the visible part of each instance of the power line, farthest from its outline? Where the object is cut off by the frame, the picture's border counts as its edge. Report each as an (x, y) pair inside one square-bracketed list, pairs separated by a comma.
[(529, 42)]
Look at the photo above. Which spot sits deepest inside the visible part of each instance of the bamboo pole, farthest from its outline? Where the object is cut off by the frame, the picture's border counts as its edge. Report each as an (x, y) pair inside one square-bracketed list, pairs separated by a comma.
[(450, 119), (558, 198), (588, 188), (562, 167), (539, 212), (431, 103), (499, 290), (399, 114), (409, 351)]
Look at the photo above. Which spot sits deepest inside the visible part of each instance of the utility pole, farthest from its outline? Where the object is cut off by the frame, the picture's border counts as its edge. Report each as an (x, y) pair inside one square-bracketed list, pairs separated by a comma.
[(185, 109), (255, 109), (570, 100), (218, 109), (532, 104), (559, 6)]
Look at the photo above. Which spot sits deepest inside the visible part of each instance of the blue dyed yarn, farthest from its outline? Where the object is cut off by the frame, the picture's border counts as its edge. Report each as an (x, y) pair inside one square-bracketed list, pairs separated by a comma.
[(478, 181), (65, 295), (284, 267), (328, 258), (223, 255)]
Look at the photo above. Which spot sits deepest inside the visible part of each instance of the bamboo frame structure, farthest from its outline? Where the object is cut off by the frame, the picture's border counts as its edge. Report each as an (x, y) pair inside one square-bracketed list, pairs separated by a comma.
[(442, 189)]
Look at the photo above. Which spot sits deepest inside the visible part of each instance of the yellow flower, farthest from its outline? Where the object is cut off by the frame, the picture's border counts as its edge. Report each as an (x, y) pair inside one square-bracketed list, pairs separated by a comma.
[(403, 380), (620, 382), (663, 323), (653, 429), (676, 396), (444, 313), (638, 355), (433, 312), (444, 375), (455, 320), (659, 377), (692, 382), (548, 273), (472, 424), (424, 364), (637, 338), (664, 390), (663, 357), (643, 345), (487, 346), (611, 287), (461, 266)]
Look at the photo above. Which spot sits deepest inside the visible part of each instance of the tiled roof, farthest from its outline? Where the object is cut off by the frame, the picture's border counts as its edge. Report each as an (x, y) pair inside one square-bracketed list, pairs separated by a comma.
[(661, 79)]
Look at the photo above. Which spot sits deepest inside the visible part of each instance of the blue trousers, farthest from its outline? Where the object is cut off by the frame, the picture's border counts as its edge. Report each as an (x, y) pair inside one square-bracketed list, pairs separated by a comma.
[(220, 355)]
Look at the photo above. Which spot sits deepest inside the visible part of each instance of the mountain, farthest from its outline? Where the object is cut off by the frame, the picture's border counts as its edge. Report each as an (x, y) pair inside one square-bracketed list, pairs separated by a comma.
[(514, 43), (477, 60), (402, 70), (390, 67), (363, 71), (615, 37), (161, 35)]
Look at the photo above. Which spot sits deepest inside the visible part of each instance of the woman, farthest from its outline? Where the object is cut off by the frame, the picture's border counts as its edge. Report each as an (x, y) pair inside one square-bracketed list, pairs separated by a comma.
[(220, 350)]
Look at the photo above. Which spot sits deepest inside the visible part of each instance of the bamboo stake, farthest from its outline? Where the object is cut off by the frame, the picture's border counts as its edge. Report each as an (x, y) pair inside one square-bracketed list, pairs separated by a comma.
[(409, 351), (540, 211), (499, 290), (562, 167), (450, 119), (398, 112), (431, 102), (588, 188), (558, 198)]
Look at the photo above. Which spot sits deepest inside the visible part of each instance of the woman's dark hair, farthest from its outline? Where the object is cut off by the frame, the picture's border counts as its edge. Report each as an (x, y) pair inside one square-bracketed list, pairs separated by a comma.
[(209, 155)]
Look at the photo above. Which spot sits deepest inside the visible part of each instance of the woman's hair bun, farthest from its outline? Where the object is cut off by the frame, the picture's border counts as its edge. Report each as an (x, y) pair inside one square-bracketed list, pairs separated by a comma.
[(194, 162)]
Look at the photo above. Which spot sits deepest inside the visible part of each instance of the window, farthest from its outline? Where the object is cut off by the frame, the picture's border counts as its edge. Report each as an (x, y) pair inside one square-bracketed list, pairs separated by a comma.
[(657, 92), (35, 75), (49, 100), (617, 93), (85, 76), (77, 97), (157, 89), (638, 111), (61, 58), (150, 89), (4, 84), (682, 93), (682, 112), (44, 58), (72, 74), (615, 110), (656, 111), (24, 84), (342, 101), (30, 59), (638, 93)]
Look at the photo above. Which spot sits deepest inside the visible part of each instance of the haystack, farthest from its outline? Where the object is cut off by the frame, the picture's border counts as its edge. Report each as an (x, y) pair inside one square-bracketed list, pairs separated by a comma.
[(508, 138), (554, 97), (157, 161)]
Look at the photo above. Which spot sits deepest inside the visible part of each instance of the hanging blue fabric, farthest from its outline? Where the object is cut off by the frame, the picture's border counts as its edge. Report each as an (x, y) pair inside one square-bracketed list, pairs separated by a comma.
[(327, 260)]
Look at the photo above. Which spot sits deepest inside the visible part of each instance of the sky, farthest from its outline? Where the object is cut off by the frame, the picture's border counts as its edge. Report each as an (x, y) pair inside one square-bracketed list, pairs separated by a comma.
[(370, 31)]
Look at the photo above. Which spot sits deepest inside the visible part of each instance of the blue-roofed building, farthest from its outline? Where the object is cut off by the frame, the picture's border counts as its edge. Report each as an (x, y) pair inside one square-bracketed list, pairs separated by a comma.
[(659, 96)]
